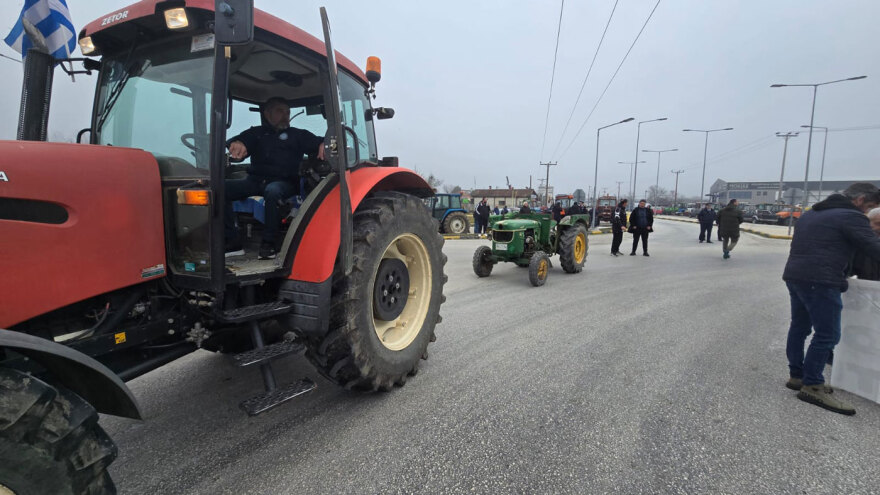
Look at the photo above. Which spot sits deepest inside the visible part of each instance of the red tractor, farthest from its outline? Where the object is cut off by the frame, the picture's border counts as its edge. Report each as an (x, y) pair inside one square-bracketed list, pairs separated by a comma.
[(113, 259)]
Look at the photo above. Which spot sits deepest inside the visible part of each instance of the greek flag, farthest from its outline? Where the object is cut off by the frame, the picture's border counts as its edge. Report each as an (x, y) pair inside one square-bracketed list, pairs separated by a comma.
[(52, 20)]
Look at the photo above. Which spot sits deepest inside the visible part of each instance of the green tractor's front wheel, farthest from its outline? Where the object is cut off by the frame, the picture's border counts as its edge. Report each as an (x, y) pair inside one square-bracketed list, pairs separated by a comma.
[(482, 261), (382, 315), (539, 267), (573, 249)]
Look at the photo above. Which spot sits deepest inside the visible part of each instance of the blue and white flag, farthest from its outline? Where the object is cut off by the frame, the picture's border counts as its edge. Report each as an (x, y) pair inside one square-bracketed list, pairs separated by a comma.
[(52, 19)]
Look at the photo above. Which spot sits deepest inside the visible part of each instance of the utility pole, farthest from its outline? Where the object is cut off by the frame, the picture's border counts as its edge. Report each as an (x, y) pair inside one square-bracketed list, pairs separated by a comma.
[(675, 194), (619, 182), (785, 136), (547, 181)]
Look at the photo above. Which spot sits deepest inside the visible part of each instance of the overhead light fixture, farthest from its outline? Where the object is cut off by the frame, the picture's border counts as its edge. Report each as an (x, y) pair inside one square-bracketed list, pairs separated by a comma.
[(176, 18)]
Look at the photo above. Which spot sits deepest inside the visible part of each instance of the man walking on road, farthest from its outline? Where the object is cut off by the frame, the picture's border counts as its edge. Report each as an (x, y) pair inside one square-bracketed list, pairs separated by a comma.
[(707, 220), (641, 222), (729, 219), (824, 241), (618, 223)]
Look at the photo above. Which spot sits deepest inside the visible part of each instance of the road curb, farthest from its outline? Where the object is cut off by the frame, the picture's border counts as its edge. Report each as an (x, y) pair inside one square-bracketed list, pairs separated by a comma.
[(742, 229)]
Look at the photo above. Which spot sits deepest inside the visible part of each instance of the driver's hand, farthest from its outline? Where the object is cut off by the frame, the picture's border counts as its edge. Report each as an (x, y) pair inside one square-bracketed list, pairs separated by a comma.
[(237, 150), (320, 151)]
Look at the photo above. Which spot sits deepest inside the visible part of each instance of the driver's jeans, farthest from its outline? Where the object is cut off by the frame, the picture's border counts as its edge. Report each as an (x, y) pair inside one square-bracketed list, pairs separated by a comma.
[(273, 192)]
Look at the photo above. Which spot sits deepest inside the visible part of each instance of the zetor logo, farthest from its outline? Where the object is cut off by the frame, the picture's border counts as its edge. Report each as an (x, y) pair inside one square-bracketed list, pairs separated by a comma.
[(114, 18), (3, 176)]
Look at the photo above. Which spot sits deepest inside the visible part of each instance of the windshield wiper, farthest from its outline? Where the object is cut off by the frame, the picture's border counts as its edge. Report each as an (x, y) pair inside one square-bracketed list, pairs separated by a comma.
[(117, 90)]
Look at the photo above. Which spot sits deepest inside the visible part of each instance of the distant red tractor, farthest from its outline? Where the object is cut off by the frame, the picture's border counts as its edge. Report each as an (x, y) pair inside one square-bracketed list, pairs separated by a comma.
[(605, 208), (113, 251)]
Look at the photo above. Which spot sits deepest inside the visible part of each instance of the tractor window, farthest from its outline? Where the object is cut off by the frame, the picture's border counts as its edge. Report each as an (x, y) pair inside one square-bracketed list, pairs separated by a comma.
[(455, 202), (443, 202), (357, 115), (156, 100)]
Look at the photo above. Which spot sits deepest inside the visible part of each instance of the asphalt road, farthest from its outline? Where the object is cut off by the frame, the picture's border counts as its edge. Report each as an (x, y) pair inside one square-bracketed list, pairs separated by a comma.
[(640, 375)]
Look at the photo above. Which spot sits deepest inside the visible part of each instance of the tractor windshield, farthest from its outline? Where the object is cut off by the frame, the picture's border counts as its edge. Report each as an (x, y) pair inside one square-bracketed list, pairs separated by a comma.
[(157, 99)]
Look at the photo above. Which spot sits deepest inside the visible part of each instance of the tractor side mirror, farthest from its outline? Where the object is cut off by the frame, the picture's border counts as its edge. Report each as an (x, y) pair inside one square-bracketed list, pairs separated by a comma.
[(383, 113), (234, 21)]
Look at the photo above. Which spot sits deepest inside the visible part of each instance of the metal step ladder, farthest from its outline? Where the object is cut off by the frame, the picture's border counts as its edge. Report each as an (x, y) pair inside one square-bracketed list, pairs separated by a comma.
[(263, 354)]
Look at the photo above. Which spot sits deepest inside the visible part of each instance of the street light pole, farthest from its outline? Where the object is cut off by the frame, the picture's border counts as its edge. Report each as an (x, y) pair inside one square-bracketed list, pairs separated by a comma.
[(593, 223), (675, 194), (822, 170), (786, 136), (812, 114), (657, 183), (705, 150), (636, 161)]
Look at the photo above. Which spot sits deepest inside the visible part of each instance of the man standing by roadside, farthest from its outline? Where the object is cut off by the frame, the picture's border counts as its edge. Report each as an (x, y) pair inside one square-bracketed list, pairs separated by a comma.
[(824, 241), (618, 223), (729, 219), (641, 222), (707, 219), (483, 211)]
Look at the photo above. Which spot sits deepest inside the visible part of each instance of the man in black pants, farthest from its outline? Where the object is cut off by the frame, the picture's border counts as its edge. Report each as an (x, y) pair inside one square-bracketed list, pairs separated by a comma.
[(618, 223), (707, 219), (641, 222), (276, 150)]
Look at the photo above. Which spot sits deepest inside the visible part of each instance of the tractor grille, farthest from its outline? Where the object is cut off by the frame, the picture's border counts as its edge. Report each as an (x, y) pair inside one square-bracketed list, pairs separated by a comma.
[(502, 236)]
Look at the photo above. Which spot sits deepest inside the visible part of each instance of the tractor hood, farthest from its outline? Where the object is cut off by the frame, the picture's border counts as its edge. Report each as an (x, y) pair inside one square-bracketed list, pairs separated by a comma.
[(516, 224), (76, 220)]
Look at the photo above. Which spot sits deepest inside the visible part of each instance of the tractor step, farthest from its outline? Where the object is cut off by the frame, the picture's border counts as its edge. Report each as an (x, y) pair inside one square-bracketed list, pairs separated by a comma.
[(264, 354), (255, 312), (268, 400)]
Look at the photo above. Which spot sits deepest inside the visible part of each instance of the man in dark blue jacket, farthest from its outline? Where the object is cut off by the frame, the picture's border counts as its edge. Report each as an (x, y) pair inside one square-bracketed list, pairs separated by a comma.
[(276, 150), (707, 218), (825, 240)]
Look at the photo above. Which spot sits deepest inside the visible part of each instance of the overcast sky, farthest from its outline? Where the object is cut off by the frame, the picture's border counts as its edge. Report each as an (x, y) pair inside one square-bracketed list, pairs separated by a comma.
[(470, 81)]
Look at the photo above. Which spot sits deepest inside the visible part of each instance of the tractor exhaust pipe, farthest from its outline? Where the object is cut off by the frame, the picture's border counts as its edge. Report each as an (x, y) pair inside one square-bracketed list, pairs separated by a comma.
[(36, 91)]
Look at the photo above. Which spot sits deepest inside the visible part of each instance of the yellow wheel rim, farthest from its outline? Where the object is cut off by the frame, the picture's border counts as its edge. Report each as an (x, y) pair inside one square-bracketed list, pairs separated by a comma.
[(542, 269), (5, 491), (580, 247), (399, 333)]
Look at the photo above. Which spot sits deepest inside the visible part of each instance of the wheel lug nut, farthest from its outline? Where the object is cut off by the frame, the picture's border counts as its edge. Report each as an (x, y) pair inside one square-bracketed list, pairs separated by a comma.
[(385, 292), (397, 285), (393, 299)]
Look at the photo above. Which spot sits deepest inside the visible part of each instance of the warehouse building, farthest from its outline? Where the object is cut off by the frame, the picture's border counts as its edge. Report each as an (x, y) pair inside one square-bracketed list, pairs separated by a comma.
[(753, 193)]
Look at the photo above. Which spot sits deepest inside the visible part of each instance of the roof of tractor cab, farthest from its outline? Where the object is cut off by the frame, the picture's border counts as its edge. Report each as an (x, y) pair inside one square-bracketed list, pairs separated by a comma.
[(262, 20)]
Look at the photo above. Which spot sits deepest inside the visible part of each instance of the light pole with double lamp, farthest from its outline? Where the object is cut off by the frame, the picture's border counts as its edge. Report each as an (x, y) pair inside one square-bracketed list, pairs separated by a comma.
[(636, 161), (821, 170), (657, 183), (705, 149), (812, 114), (596, 171)]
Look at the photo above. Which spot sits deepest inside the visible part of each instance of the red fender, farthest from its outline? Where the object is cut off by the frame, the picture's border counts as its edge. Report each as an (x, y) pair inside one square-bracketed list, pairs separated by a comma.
[(316, 254)]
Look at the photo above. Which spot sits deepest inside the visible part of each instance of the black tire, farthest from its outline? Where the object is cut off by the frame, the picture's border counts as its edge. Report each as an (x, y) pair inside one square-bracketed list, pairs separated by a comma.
[(573, 249), (456, 223), (482, 263), (352, 354), (50, 441), (539, 268)]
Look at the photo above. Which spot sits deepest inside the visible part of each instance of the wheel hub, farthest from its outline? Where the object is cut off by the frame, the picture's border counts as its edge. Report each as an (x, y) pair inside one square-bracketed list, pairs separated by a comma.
[(391, 289)]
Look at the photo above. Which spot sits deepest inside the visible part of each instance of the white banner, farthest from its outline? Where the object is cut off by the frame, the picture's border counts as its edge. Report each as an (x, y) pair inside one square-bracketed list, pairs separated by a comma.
[(856, 365)]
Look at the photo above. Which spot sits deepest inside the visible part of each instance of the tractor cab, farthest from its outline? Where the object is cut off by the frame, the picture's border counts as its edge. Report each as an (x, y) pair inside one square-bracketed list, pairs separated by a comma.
[(161, 70)]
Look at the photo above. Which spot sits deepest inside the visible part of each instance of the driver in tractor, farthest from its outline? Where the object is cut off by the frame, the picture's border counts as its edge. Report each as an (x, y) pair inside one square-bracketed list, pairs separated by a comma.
[(276, 150)]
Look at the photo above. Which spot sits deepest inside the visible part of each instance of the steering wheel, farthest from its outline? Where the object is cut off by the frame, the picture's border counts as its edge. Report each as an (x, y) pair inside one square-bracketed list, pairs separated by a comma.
[(184, 139)]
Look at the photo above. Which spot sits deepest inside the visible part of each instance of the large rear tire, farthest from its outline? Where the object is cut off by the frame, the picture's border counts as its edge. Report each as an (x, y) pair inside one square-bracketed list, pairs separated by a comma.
[(573, 249), (50, 441), (456, 223), (383, 314)]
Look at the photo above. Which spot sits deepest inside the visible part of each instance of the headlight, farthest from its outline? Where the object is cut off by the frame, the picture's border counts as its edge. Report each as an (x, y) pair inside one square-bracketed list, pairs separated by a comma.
[(86, 46), (176, 18)]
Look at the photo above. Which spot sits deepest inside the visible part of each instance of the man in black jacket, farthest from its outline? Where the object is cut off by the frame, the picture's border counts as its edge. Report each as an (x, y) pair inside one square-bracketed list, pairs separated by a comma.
[(618, 223), (707, 218), (641, 222), (483, 211), (729, 219), (557, 211), (824, 242), (276, 150), (525, 209)]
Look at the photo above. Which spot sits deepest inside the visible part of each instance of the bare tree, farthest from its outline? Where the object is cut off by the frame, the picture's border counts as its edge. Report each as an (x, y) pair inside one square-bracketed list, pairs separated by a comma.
[(451, 189), (433, 181)]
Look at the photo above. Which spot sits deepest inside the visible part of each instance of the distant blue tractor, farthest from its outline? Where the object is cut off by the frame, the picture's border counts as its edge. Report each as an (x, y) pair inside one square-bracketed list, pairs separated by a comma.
[(446, 208)]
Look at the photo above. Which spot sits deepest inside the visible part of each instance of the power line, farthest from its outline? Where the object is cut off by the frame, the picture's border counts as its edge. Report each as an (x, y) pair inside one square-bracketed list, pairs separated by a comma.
[(552, 77), (584, 84), (612, 78)]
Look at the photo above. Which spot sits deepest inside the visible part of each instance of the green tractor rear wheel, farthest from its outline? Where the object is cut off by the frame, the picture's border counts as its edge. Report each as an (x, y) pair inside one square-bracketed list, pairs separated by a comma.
[(539, 267), (573, 249)]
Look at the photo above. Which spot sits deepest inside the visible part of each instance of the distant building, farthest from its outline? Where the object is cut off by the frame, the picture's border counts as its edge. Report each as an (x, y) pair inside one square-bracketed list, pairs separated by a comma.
[(504, 197), (753, 193)]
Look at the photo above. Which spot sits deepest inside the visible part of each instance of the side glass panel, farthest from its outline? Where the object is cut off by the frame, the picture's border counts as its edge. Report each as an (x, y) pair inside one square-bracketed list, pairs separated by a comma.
[(443, 202), (456, 202), (357, 115)]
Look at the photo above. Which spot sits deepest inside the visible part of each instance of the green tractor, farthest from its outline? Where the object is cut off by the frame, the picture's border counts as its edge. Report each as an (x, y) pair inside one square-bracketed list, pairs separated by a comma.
[(530, 239)]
